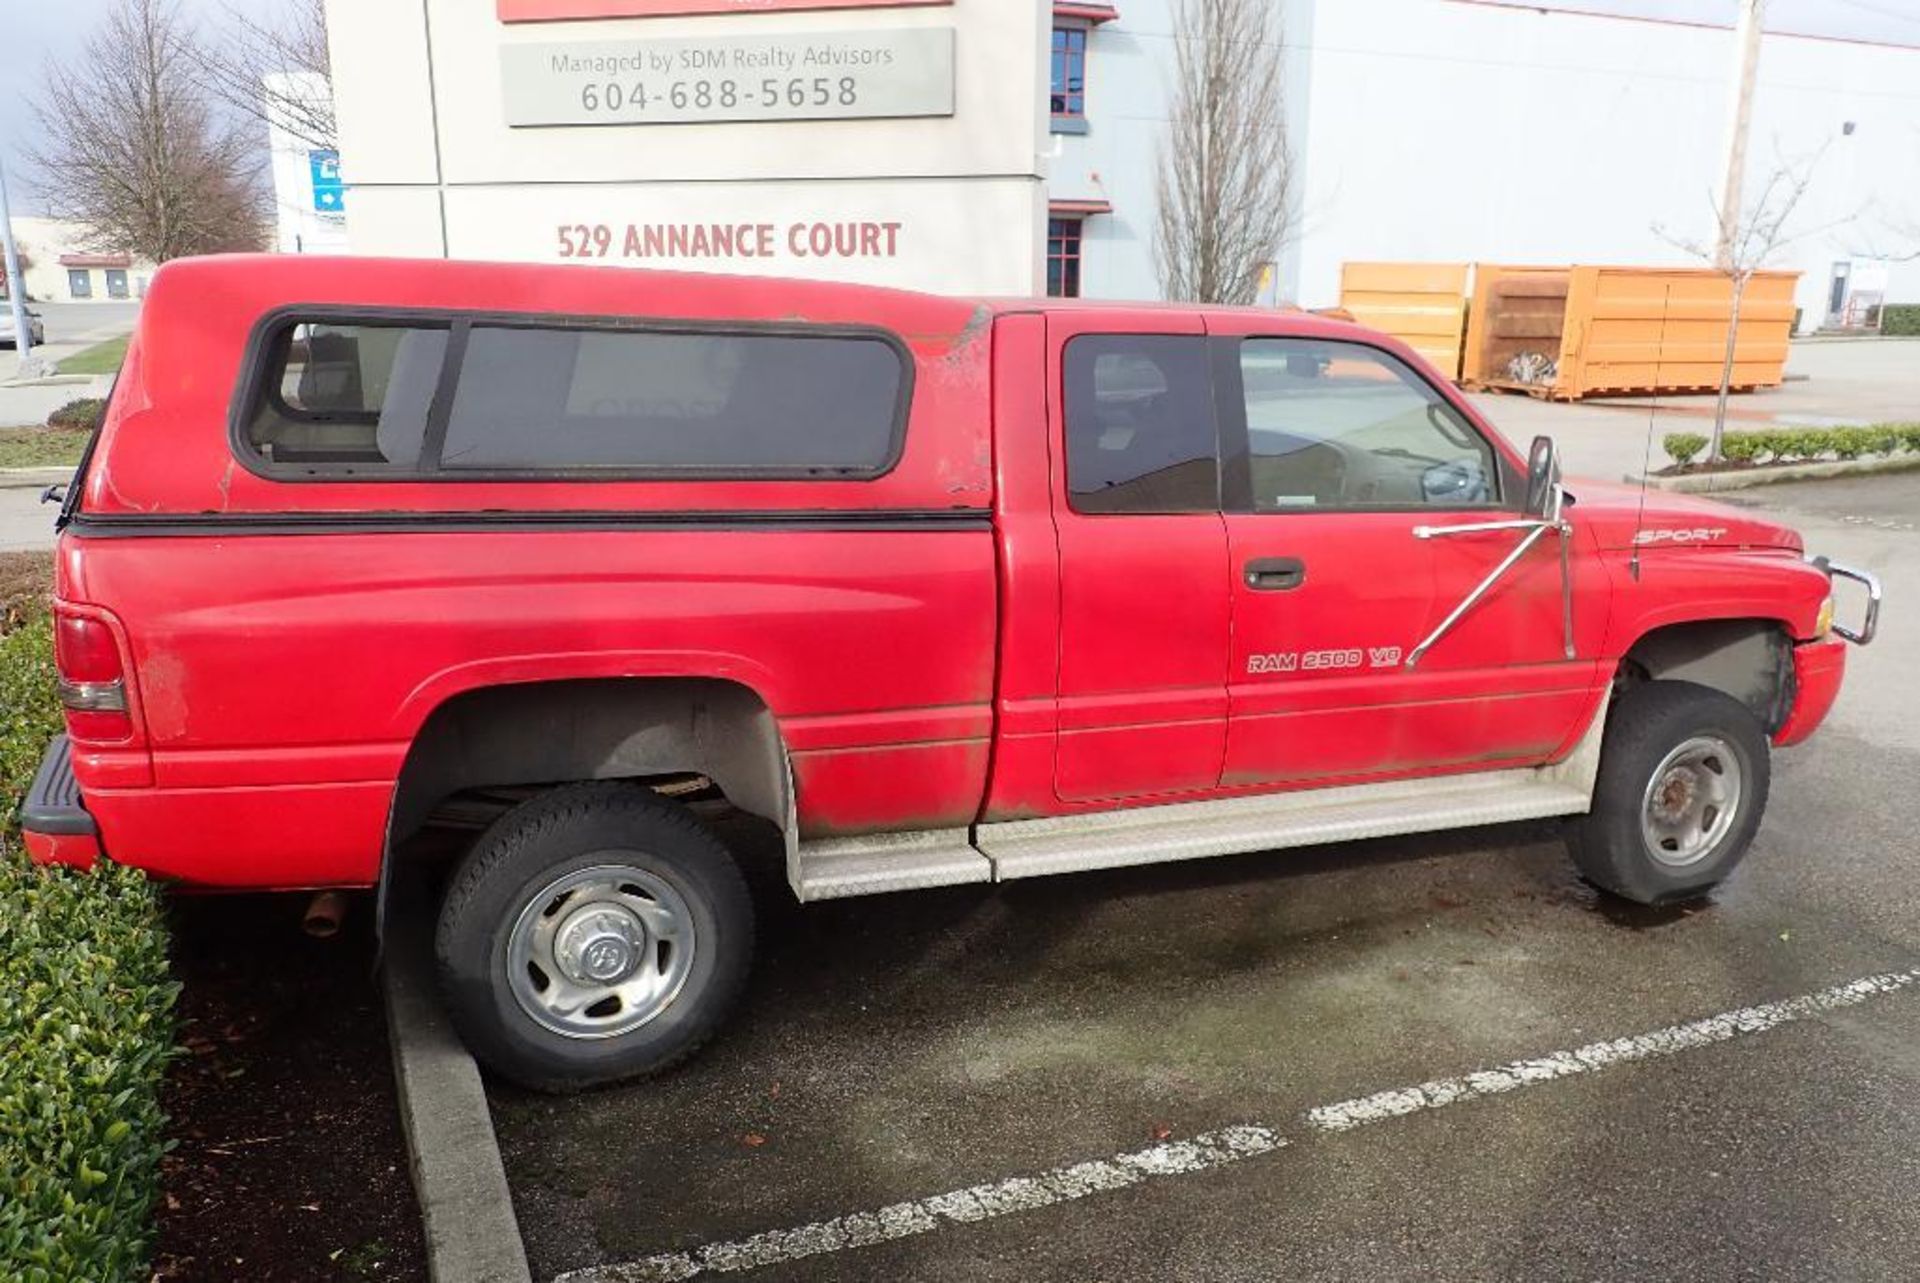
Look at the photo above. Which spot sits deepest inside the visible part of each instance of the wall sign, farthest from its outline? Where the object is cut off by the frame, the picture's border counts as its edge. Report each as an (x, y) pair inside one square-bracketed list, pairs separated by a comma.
[(564, 10), (329, 191), (687, 243), (813, 76)]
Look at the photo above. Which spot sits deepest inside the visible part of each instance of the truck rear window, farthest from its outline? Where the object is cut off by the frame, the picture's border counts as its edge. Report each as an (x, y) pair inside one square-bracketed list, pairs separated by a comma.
[(376, 397)]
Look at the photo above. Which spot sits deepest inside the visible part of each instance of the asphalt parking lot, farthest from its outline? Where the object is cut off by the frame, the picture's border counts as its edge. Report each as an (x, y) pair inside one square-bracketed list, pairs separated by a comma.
[(1173, 1073)]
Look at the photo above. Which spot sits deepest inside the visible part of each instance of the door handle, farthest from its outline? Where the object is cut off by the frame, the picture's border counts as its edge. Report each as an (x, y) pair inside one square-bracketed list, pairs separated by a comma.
[(1275, 574)]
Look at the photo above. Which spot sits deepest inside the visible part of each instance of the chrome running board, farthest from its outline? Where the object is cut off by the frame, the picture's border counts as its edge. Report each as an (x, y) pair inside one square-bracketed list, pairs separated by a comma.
[(839, 867), (1271, 822), (1191, 830)]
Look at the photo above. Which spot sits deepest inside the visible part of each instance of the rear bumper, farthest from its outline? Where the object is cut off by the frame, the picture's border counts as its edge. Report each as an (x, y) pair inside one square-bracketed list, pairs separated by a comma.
[(1818, 667), (259, 839), (54, 818)]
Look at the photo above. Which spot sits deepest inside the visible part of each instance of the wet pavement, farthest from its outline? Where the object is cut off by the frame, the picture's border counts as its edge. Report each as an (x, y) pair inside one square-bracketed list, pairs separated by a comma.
[(896, 1048)]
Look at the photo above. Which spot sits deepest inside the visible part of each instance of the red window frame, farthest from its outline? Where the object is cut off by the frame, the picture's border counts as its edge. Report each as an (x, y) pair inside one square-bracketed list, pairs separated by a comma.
[(1068, 55), (1063, 255)]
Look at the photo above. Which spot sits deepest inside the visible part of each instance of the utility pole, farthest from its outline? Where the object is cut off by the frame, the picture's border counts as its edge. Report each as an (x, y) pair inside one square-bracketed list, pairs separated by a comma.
[(16, 283), (1739, 122)]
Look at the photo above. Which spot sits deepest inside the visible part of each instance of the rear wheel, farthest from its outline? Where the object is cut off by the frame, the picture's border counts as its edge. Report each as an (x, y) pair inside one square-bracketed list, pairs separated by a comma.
[(1682, 785), (594, 933)]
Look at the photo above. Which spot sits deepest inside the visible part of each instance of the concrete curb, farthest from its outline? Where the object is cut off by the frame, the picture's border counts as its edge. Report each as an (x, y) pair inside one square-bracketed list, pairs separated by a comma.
[(471, 1233), (35, 478), (1746, 479), (51, 381)]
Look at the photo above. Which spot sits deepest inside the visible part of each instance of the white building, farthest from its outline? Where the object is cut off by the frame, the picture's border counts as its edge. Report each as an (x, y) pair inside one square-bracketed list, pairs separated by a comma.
[(894, 143), (1554, 131), (1543, 132)]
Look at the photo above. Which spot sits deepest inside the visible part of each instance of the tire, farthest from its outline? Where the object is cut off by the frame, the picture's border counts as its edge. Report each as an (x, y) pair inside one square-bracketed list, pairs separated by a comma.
[(1682, 785), (598, 888)]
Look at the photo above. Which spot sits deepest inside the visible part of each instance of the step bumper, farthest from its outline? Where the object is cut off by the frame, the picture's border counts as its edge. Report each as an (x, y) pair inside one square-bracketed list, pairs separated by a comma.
[(54, 819)]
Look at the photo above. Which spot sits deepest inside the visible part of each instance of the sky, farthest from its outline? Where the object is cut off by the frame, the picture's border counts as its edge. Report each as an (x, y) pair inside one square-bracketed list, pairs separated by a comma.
[(35, 32)]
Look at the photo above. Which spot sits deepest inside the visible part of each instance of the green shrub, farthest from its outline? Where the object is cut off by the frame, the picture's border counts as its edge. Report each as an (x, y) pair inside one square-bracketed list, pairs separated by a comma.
[(85, 1023), (1900, 319), (83, 413), (1772, 444), (1811, 443), (1881, 439), (1681, 447), (1780, 445)]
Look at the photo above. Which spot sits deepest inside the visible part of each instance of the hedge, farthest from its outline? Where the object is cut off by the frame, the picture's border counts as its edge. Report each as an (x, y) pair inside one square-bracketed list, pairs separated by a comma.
[(86, 1025), (82, 413), (1791, 445), (1900, 319)]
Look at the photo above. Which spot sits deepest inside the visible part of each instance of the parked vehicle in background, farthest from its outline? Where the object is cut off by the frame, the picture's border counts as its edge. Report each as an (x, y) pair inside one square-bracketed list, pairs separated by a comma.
[(9, 336), (944, 591)]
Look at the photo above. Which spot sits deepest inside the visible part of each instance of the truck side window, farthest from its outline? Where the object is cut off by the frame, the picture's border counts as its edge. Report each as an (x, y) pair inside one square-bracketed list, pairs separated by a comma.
[(347, 394), (1342, 425), (532, 398), (1139, 425)]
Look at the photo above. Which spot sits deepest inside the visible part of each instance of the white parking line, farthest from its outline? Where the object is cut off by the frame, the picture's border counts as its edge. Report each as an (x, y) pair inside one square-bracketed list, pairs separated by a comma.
[(1219, 1148), (975, 1203), (1600, 1055)]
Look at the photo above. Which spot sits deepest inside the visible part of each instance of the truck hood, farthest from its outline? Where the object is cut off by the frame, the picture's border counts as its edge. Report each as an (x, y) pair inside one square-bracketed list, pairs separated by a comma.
[(1618, 519)]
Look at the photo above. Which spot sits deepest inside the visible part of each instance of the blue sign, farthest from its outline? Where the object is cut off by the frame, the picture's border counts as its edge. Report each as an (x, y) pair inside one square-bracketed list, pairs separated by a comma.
[(329, 193)]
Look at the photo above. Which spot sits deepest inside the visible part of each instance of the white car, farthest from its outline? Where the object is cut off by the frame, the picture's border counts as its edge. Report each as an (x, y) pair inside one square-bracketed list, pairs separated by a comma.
[(35, 328)]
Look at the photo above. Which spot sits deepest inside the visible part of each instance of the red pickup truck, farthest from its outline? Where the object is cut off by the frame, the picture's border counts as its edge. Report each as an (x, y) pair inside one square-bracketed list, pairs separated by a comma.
[(945, 590)]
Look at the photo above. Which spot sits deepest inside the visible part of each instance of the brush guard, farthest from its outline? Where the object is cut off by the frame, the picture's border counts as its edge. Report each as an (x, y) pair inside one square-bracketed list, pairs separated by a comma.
[(1866, 579)]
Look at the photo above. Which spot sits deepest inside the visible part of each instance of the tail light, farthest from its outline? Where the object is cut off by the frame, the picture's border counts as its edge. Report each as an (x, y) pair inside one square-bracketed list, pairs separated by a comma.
[(93, 685)]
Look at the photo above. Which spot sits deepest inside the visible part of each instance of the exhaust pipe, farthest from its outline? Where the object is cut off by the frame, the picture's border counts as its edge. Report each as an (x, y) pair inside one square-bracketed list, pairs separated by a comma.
[(324, 914)]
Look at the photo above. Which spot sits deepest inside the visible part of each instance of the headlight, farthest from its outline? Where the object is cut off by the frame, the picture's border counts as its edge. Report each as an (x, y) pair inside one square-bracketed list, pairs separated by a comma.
[(1823, 622)]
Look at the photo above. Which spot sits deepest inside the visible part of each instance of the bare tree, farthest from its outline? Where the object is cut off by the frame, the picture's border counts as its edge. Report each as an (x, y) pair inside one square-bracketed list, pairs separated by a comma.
[(133, 150), (1226, 200), (246, 69), (1744, 241)]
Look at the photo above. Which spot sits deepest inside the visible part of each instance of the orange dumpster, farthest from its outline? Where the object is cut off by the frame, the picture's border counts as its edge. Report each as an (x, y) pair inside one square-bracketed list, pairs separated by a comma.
[(1423, 305), (1571, 332)]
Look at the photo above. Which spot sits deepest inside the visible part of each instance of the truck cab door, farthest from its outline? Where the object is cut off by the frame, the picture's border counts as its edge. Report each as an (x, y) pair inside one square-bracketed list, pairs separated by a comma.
[(1340, 461), (1143, 556)]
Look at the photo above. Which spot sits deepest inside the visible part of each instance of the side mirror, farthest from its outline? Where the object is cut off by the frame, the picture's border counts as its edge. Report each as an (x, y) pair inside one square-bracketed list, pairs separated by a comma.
[(1543, 480)]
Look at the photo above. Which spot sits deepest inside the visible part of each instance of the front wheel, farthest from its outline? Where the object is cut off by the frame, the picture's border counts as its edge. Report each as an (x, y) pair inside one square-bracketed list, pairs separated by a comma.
[(1682, 785), (593, 933)]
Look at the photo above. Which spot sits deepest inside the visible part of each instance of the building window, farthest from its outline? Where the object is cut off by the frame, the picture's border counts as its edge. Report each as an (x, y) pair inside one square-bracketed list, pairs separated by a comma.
[(1063, 257), (79, 282), (1070, 72), (116, 283)]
